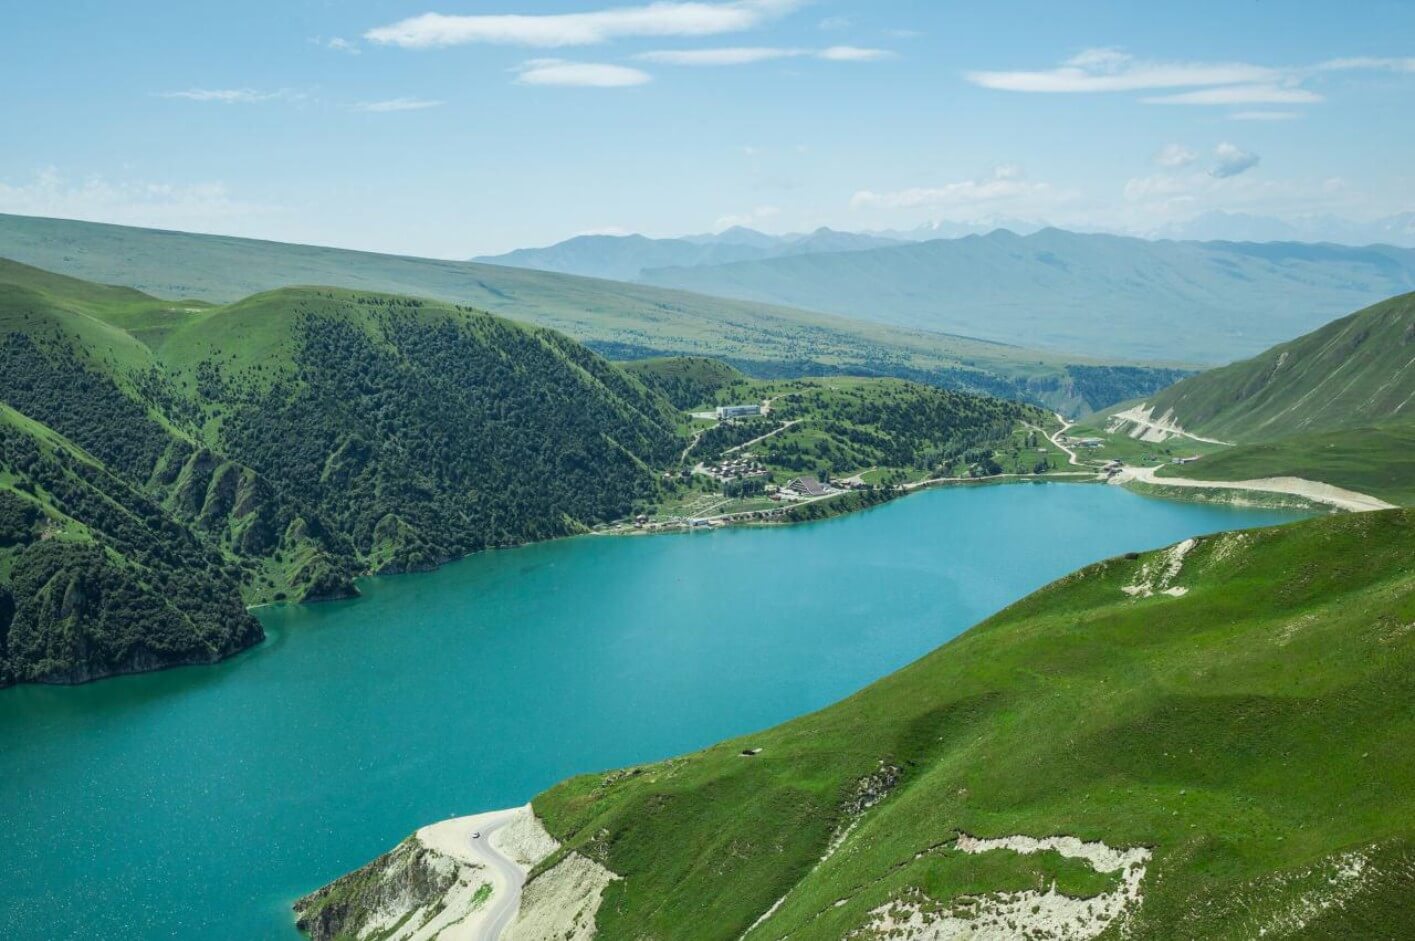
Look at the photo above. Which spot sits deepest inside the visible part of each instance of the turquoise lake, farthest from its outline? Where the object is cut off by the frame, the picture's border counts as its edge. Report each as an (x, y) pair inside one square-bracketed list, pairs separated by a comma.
[(198, 803)]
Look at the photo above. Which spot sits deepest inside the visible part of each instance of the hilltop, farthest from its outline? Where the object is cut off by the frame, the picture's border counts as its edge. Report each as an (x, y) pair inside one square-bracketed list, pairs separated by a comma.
[(1205, 741), (618, 320), (1104, 295)]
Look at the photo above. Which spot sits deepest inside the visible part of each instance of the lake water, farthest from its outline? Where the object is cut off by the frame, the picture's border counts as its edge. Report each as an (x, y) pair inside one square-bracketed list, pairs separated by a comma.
[(198, 803)]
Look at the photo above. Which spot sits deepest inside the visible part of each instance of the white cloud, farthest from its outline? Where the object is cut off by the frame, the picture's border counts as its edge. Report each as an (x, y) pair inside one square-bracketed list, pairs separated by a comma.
[(836, 23), (1208, 83), (1110, 70), (1230, 160), (397, 104), (854, 54), (663, 18), (195, 206), (1240, 95), (232, 96), (1264, 115), (739, 55), (748, 55), (1005, 184), (579, 74), (1175, 155)]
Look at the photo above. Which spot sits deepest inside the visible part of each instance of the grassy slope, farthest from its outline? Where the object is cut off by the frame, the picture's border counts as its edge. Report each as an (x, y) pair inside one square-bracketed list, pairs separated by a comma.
[(1102, 294), (1352, 373), (1246, 732), (619, 319), (1379, 461)]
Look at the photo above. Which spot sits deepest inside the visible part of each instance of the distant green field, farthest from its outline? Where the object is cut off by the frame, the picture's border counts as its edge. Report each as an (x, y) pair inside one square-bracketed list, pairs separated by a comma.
[(1377, 461), (1253, 729)]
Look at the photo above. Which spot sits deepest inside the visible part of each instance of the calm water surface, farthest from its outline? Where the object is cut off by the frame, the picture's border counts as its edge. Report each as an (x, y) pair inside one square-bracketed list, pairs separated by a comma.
[(198, 803)]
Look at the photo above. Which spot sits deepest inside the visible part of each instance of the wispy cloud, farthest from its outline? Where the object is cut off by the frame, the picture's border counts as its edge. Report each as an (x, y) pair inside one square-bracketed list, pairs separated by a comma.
[(748, 55), (1240, 95), (663, 18), (1208, 83), (854, 54), (1006, 183), (232, 96), (198, 206), (1231, 160), (397, 104), (738, 55), (1175, 155), (579, 74), (338, 44), (1110, 70)]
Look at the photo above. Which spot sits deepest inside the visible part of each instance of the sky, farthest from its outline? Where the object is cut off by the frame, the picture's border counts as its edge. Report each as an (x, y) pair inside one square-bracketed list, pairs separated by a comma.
[(453, 128)]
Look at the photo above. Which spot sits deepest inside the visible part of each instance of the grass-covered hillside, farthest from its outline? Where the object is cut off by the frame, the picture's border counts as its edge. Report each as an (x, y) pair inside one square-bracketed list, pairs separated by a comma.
[(161, 463), (1352, 373), (622, 321), (1215, 740)]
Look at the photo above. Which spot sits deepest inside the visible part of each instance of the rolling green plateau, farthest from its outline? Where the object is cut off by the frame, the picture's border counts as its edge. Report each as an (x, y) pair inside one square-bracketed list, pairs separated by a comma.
[(1379, 461), (1354, 372), (163, 464), (1231, 717), (619, 320), (1104, 295)]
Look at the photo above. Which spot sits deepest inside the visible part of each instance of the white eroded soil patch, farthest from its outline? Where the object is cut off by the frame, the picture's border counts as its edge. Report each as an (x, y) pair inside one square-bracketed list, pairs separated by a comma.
[(1157, 574), (1141, 424), (1044, 916), (561, 902)]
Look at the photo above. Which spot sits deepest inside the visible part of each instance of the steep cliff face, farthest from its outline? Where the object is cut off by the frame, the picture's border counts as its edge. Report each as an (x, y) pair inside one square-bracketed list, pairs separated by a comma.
[(465, 879), (409, 892)]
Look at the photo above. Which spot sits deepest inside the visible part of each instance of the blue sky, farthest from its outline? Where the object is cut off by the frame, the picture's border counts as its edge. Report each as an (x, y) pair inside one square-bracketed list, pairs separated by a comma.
[(459, 127)]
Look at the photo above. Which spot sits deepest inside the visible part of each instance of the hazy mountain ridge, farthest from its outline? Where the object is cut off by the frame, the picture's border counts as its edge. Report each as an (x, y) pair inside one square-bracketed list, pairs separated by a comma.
[(1103, 295), (628, 257)]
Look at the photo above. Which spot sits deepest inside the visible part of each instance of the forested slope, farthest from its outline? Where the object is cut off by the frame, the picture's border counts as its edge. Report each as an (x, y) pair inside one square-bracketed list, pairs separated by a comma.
[(274, 449)]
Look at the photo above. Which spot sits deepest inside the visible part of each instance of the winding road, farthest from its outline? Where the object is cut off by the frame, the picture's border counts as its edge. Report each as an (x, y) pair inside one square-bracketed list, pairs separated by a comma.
[(502, 906)]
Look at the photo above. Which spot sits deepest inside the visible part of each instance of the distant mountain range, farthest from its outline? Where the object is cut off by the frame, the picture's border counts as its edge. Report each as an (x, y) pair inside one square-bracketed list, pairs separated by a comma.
[(1103, 295), (628, 257)]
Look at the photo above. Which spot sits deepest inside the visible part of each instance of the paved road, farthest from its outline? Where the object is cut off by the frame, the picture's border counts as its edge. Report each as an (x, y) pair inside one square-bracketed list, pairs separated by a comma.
[(504, 904)]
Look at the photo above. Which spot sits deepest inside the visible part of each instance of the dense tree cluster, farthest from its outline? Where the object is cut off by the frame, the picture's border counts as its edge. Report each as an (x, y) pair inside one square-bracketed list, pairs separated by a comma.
[(125, 587), (887, 425), (423, 441)]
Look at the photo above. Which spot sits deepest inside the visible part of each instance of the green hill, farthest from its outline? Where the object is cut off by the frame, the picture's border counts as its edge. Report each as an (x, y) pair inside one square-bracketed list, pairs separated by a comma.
[(1208, 741), (621, 321), (1102, 295), (1353, 372), (155, 480)]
